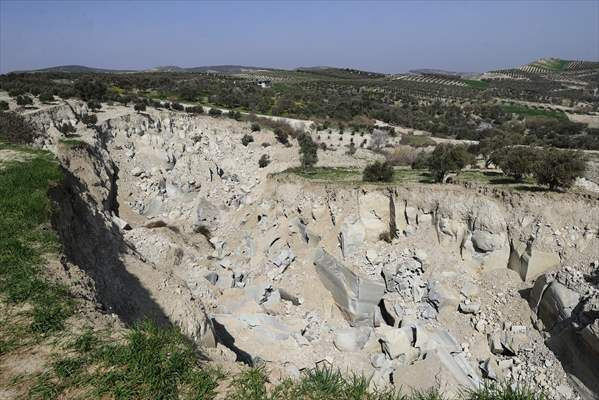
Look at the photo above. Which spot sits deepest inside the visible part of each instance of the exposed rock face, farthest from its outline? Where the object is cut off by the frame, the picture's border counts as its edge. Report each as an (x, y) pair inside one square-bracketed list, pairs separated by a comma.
[(173, 219), (356, 296)]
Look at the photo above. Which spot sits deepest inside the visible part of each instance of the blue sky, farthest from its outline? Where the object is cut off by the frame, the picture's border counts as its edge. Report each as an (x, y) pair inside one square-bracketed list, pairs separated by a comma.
[(379, 36)]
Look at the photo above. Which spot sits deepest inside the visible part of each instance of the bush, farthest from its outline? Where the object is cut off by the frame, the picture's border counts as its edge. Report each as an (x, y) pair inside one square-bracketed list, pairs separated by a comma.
[(3, 105), (140, 107), (15, 129), (255, 127), (215, 112), (559, 168), (448, 158), (308, 151), (378, 172), (24, 100), (282, 136), (351, 149), (90, 89), (516, 162), (195, 110), (177, 107), (264, 161), (46, 97), (89, 119), (247, 139)]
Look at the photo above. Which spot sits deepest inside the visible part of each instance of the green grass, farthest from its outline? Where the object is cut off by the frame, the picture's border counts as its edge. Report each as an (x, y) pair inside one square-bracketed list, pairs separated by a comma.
[(417, 141), (476, 84), (531, 112), (25, 236), (151, 362), (553, 65)]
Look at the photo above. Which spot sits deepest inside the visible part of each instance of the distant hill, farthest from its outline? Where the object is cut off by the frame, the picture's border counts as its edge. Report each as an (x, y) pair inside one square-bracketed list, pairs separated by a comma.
[(442, 72), (225, 69), (76, 69)]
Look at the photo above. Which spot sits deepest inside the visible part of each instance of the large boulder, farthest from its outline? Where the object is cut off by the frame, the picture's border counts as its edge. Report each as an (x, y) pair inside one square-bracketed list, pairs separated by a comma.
[(356, 297), (529, 261)]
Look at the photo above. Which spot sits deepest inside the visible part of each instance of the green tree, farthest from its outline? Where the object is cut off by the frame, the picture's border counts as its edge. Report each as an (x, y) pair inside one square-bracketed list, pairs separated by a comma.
[(447, 158), (3, 105), (378, 172), (559, 168), (308, 151), (46, 97), (517, 161), (282, 136), (247, 139)]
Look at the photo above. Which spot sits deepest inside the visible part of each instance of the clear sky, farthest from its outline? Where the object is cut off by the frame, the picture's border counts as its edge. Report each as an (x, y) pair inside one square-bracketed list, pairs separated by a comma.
[(378, 36)]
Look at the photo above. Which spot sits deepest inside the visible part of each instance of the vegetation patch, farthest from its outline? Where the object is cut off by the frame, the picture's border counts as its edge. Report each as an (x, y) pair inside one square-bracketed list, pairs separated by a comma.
[(533, 112)]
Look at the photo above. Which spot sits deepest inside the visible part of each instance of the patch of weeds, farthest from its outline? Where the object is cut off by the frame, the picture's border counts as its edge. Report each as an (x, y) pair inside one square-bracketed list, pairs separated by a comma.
[(504, 391), (249, 385)]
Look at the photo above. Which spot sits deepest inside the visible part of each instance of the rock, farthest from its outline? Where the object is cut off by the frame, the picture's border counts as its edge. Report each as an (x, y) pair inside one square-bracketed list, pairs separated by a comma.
[(352, 235), (351, 339), (489, 368), (470, 290), (136, 171), (530, 262), (439, 370), (378, 360), (357, 297), (396, 341), (121, 223), (485, 242), (469, 307), (431, 338), (441, 296), (495, 343), (557, 304), (212, 277)]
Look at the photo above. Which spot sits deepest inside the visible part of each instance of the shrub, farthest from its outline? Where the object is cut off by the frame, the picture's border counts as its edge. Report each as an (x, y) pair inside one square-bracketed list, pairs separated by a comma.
[(448, 158), (236, 115), (88, 89), (282, 136), (94, 105), (378, 172), (89, 119), (247, 139), (255, 127), (308, 151), (139, 107), (3, 105), (215, 112), (264, 161), (265, 144), (516, 162), (66, 128), (24, 100), (15, 129), (417, 141), (559, 168), (195, 110), (46, 97), (177, 107)]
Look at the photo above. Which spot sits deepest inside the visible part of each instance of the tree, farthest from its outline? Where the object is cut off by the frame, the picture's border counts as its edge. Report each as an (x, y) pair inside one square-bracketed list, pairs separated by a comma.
[(255, 127), (94, 105), (378, 172), (378, 139), (559, 168), (88, 89), (66, 128), (3, 105), (247, 139), (177, 107), (139, 107), (308, 151), (448, 158), (517, 161), (264, 161)]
